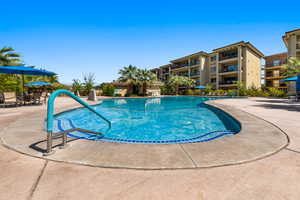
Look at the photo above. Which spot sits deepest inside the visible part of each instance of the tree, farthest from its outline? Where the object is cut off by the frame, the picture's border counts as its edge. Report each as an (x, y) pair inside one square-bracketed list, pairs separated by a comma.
[(177, 81), (8, 57), (144, 78), (76, 86), (293, 67), (129, 75), (89, 82)]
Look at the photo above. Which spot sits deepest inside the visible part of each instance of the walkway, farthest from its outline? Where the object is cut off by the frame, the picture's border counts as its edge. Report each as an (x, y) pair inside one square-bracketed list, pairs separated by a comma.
[(276, 177)]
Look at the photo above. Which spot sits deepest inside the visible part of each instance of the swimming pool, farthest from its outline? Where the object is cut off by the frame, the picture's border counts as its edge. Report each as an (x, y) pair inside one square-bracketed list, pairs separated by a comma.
[(183, 119)]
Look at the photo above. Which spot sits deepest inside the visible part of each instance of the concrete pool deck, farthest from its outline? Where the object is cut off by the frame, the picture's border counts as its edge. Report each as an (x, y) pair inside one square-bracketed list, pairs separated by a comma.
[(25, 177), (27, 136)]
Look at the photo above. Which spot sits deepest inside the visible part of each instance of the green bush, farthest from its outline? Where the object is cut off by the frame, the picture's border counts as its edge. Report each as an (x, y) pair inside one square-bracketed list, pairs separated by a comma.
[(189, 92), (232, 93), (220, 92), (208, 89), (108, 89), (274, 92), (167, 90)]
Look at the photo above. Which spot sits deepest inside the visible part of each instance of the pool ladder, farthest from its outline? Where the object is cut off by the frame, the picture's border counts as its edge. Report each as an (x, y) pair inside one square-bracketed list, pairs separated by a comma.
[(63, 134)]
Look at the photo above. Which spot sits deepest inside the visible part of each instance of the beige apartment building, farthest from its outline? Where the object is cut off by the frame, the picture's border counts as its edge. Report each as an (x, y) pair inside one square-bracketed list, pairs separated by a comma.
[(274, 71), (275, 64), (222, 68), (291, 40)]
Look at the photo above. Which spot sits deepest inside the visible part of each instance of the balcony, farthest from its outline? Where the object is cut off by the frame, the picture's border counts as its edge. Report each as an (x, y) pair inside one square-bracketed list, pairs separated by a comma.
[(275, 65), (185, 73), (195, 74), (177, 66), (229, 69), (194, 62), (228, 55)]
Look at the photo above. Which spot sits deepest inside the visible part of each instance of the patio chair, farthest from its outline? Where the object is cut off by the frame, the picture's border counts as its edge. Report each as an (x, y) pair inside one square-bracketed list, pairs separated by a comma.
[(1, 98), (10, 98), (44, 97), (37, 98)]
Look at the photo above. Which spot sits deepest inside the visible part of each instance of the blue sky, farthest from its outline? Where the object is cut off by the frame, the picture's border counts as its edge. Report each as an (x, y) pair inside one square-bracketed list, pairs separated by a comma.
[(77, 37)]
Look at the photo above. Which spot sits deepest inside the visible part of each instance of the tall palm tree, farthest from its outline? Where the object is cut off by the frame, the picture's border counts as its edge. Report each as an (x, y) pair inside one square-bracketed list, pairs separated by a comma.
[(293, 67), (8, 57), (129, 75), (144, 77)]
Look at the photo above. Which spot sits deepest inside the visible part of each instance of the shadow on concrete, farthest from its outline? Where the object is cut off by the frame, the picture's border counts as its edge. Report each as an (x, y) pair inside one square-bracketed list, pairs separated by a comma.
[(272, 100), (40, 146), (289, 107)]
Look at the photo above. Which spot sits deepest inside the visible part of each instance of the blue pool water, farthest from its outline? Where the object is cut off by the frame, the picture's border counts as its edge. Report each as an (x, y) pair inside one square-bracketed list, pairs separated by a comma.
[(151, 120)]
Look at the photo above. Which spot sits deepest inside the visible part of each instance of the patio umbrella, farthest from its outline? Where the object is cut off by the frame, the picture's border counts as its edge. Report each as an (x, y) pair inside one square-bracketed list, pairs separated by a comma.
[(200, 87), (38, 84), (289, 79), (22, 70)]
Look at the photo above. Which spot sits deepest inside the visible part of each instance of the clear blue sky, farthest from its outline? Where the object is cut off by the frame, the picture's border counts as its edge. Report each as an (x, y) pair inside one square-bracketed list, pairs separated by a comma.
[(77, 37)]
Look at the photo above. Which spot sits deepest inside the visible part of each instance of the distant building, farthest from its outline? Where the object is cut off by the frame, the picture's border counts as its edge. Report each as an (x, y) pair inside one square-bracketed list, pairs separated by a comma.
[(221, 69), (274, 70), (291, 40)]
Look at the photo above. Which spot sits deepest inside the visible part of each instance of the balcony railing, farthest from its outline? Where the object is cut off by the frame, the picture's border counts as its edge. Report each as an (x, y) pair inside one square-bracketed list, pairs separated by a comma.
[(229, 69), (229, 82), (275, 64), (194, 63), (195, 73)]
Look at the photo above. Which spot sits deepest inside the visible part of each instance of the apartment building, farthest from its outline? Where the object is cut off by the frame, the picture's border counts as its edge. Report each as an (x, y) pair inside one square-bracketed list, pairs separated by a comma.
[(222, 68), (291, 40), (274, 70)]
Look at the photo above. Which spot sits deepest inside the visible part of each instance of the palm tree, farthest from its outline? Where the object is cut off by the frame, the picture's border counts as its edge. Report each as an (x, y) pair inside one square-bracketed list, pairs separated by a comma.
[(129, 75), (76, 86), (293, 67), (177, 81), (144, 77), (89, 82), (9, 58)]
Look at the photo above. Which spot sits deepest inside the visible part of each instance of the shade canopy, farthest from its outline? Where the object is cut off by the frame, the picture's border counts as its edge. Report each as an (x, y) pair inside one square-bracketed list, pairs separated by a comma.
[(38, 84), (289, 79), (24, 71), (200, 87)]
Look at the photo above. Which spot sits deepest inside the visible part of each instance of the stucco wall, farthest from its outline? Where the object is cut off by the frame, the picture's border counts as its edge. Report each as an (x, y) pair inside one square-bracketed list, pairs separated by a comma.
[(252, 69)]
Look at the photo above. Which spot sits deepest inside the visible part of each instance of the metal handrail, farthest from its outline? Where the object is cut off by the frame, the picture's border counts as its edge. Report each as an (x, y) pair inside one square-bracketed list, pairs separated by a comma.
[(50, 116)]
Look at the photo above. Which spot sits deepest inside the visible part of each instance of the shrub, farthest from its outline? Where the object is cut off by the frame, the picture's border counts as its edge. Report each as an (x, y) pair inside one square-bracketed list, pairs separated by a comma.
[(208, 89), (274, 92), (108, 89), (167, 89), (220, 92), (197, 92), (232, 92), (189, 92), (242, 90)]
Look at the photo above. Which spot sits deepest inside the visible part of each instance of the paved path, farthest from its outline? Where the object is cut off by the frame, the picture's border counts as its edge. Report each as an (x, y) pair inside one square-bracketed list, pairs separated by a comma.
[(276, 177)]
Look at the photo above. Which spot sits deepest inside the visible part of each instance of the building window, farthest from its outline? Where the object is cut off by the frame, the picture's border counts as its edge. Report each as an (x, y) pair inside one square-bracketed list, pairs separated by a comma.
[(194, 61), (228, 54), (213, 69), (213, 80), (276, 62), (195, 72), (230, 68), (213, 58)]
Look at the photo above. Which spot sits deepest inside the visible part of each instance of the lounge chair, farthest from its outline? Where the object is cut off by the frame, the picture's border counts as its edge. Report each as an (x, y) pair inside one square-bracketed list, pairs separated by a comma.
[(10, 98)]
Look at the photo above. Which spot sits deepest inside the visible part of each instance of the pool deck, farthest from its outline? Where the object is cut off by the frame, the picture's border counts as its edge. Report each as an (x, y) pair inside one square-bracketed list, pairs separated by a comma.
[(267, 169)]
